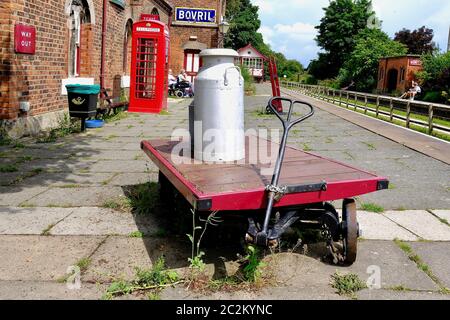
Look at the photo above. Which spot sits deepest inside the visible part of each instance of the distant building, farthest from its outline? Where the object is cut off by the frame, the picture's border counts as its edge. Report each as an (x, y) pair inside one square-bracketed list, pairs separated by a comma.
[(397, 73), (253, 60)]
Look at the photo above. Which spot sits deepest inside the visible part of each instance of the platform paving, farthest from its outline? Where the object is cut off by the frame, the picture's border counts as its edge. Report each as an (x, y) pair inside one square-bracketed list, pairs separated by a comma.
[(58, 208)]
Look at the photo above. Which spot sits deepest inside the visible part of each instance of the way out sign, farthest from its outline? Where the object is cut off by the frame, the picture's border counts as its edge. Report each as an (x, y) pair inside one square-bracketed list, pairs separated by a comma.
[(24, 39)]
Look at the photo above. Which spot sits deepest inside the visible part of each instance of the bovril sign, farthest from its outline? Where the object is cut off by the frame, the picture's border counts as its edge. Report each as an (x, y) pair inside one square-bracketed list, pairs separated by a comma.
[(195, 15)]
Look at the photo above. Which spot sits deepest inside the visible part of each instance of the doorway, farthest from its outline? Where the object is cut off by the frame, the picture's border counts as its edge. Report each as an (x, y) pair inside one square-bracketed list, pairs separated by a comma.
[(392, 80)]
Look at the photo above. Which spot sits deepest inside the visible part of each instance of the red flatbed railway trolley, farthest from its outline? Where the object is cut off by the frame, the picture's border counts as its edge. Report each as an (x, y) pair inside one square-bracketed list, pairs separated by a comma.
[(301, 192)]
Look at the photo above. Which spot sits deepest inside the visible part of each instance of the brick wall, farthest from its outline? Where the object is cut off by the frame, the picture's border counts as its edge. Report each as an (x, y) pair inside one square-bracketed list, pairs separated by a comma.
[(37, 78), (180, 34), (397, 63)]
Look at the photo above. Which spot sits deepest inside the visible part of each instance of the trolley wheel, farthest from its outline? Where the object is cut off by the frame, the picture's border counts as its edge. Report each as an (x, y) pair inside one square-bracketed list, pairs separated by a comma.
[(350, 231), (179, 94)]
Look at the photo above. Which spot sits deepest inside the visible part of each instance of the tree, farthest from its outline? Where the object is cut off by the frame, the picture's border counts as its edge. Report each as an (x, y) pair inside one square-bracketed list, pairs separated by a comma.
[(435, 77), (419, 41), (343, 21), (362, 64), (244, 25)]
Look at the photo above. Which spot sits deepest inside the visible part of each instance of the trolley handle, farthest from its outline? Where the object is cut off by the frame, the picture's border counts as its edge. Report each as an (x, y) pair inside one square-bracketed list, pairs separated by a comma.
[(288, 124)]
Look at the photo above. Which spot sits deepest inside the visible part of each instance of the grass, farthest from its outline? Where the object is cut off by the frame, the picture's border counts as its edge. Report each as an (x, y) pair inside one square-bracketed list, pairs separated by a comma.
[(27, 175), (70, 186), (8, 168), (65, 127), (348, 284), (120, 204), (143, 198), (400, 288), (19, 145), (46, 231), (146, 280), (121, 115), (421, 265), (164, 113), (414, 116), (136, 234), (83, 264), (110, 137), (307, 147), (372, 207), (370, 146)]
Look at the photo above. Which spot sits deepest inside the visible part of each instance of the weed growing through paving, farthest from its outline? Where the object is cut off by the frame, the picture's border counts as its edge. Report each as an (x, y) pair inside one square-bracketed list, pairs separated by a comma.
[(8, 168), (136, 234), (46, 231), (400, 288), (370, 146), (146, 280), (406, 248), (19, 145), (372, 207), (65, 127), (120, 115), (347, 284)]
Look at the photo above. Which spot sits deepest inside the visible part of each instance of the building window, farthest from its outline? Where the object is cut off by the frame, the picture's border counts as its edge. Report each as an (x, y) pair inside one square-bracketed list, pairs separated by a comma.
[(155, 14), (402, 74), (79, 15), (127, 47)]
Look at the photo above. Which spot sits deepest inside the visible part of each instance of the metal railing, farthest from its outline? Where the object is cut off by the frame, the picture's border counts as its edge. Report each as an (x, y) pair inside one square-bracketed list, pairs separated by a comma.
[(430, 117)]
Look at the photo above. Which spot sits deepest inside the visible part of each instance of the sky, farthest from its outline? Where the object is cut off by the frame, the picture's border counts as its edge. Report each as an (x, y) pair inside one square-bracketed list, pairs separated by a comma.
[(288, 25)]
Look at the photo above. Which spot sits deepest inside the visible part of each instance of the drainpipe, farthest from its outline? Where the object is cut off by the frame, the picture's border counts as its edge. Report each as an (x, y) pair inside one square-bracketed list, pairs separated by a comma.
[(103, 53)]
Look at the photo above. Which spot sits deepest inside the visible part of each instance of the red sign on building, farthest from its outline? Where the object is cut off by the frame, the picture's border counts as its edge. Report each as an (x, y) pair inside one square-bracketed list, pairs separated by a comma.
[(149, 17), (24, 39), (415, 62)]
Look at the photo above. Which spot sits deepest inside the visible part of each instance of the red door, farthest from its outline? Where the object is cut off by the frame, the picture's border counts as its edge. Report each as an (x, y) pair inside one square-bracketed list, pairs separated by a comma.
[(192, 63), (149, 63)]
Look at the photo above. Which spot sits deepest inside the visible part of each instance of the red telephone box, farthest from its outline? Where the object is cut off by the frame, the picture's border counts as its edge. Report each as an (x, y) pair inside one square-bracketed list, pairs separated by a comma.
[(149, 67)]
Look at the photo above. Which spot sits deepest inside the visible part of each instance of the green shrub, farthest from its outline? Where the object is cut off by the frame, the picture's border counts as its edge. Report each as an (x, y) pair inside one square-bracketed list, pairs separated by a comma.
[(249, 85), (433, 96)]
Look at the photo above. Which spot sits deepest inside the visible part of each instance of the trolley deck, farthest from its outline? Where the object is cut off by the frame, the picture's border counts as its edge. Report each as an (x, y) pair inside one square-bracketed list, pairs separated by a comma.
[(241, 186)]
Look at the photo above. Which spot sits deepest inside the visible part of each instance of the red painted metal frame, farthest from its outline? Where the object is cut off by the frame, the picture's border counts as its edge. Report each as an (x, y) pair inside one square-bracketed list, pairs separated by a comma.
[(257, 199), (159, 102), (274, 79)]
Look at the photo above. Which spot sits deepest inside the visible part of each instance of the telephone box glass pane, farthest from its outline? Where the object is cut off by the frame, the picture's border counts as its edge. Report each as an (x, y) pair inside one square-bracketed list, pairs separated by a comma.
[(146, 59)]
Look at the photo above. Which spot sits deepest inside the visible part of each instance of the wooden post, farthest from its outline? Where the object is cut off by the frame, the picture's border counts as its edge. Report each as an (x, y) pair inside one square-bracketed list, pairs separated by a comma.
[(356, 101), (378, 107), (340, 98), (408, 114), (391, 111), (347, 101), (366, 104), (430, 119)]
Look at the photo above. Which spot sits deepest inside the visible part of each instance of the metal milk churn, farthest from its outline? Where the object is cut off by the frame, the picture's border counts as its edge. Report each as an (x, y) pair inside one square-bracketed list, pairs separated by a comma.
[(219, 108)]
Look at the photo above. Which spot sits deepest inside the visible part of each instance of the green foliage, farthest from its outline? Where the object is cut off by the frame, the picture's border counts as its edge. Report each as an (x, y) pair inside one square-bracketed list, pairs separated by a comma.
[(152, 280), (254, 265), (8, 168), (372, 207), (136, 234), (196, 260), (249, 85), (244, 25), (338, 29), (435, 76), (141, 199), (347, 284), (362, 64), (5, 140), (65, 127), (433, 96)]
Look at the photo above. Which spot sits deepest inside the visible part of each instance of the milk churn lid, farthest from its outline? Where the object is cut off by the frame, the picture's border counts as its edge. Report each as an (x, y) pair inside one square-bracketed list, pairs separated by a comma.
[(219, 53)]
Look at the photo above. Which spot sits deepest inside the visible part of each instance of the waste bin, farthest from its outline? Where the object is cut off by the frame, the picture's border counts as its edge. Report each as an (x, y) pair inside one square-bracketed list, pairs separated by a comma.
[(83, 100)]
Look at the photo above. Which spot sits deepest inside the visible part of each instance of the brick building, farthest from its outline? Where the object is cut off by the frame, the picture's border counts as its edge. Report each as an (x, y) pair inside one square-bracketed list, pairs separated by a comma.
[(68, 50), (397, 73), (194, 27)]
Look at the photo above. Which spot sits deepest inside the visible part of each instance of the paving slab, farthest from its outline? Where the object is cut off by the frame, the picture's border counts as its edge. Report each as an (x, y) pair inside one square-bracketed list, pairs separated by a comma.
[(400, 295), (64, 179), (76, 197), (132, 179), (118, 257), (42, 258), (102, 221), (30, 221), (437, 256), (396, 268), (375, 226), (123, 166), (421, 223), (14, 196), (443, 214), (45, 290)]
